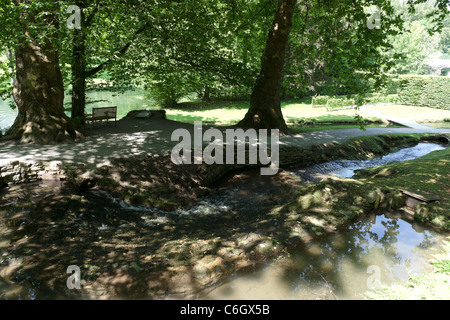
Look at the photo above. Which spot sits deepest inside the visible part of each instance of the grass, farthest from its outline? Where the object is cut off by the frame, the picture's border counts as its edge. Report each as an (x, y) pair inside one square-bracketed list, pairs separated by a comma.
[(219, 113), (428, 174), (301, 117), (331, 126), (341, 200), (226, 113), (440, 125), (431, 286), (416, 114)]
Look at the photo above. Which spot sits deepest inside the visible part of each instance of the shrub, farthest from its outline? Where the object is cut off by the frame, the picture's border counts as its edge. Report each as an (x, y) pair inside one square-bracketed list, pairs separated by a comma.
[(165, 95), (425, 91), (382, 98), (339, 104), (319, 101), (168, 91), (392, 86)]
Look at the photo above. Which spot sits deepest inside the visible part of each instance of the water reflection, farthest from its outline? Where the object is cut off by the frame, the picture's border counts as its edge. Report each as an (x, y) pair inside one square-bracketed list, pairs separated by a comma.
[(125, 102), (336, 267)]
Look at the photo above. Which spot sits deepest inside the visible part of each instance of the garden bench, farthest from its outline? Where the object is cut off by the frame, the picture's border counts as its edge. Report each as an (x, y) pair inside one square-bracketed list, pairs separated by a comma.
[(414, 198), (100, 114)]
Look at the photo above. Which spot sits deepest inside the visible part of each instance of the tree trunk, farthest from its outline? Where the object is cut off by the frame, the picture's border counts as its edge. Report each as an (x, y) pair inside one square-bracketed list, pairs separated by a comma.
[(39, 92), (265, 106), (78, 77)]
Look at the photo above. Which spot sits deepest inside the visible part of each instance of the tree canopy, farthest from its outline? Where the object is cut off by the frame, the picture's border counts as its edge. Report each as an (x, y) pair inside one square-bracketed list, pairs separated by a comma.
[(218, 48)]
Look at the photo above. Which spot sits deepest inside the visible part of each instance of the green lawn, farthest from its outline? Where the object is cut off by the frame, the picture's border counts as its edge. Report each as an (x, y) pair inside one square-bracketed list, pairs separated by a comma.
[(416, 114), (223, 113), (300, 116)]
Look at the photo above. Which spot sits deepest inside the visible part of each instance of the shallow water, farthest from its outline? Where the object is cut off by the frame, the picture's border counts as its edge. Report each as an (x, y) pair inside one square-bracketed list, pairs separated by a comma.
[(343, 265), (347, 168), (334, 267), (375, 250)]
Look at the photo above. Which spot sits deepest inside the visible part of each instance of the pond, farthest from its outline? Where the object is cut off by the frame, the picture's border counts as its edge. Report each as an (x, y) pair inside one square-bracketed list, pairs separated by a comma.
[(125, 102), (378, 249)]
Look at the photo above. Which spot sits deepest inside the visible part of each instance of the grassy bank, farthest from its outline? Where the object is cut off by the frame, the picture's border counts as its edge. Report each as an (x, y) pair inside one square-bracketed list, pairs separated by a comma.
[(431, 286), (152, 254), (299, 114), (428, 175)]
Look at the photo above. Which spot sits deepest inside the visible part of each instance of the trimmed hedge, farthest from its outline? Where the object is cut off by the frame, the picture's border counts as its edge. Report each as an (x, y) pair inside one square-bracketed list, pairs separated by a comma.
[(342, 102), (319, 101), (375, 98), (424, 91), (339, 104)]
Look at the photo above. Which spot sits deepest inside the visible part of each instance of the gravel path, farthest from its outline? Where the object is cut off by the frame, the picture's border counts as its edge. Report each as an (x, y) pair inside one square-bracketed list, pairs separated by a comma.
[(132, 137)]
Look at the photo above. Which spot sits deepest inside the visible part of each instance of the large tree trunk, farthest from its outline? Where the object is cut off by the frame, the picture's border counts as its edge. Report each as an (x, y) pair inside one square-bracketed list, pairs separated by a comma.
[(39, 92), (265, 106)]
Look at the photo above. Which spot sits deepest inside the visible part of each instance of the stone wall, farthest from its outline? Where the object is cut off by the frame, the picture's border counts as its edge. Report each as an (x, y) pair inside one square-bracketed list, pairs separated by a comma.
[(17, 172)]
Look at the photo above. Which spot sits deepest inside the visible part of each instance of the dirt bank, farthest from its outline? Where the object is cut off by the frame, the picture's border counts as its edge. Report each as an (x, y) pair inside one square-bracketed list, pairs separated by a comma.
[(145, 253), (155, 181)]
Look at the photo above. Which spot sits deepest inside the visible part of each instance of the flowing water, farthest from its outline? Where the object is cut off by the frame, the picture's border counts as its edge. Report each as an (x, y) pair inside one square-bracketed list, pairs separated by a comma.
[(347, 168), (375, 249)]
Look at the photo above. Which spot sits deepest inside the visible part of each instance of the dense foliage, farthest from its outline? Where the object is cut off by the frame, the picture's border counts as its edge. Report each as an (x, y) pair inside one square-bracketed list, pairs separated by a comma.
[(214, 48), (426, 91)]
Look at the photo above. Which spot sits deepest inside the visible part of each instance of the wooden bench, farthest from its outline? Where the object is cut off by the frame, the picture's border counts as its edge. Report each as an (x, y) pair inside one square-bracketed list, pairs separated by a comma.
[(100, 114), (414, 198)]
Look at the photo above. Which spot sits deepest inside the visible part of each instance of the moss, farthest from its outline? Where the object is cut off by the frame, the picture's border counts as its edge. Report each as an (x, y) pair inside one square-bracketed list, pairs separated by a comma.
[(428, 174)]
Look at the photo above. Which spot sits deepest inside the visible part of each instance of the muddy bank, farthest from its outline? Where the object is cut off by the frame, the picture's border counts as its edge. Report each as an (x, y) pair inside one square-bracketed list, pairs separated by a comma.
[(128, 252), (154, 181), (143, 254)]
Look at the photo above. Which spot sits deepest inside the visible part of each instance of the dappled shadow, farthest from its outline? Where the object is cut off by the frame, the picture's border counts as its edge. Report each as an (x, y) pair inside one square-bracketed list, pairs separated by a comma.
[(132, 137), (213, 105), (134, 252), (129, 137)]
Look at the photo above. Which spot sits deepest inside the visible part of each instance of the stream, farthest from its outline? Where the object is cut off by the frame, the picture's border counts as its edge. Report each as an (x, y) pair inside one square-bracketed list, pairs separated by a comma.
[(347, 168), (375, 249)]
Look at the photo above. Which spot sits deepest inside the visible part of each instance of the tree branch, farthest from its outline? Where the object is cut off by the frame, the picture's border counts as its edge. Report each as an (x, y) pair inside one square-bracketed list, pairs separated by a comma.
[(92, 15), (119, 53)]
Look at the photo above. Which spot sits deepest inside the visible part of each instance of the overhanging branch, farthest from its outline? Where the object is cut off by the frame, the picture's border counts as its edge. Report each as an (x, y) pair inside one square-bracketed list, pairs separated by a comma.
[(119, 53)]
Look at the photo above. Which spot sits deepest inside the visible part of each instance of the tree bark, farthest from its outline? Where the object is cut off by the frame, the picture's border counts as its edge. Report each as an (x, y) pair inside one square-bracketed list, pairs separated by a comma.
[(79, 69), (265, 106), (78, 76), (39, 92)]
